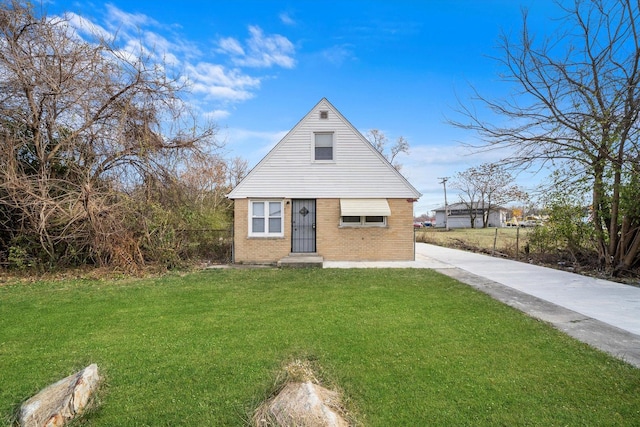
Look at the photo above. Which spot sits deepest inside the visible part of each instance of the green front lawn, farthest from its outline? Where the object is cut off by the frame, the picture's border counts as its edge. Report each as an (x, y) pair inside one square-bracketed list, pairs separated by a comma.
[(405, 347)]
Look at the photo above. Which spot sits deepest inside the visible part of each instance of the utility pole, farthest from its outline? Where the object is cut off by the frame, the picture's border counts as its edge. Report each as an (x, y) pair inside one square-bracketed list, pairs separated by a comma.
[(446, 208)]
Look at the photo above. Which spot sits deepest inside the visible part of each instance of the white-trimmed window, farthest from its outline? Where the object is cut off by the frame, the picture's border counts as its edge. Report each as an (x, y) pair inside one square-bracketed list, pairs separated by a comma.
[(265, 218), (323, 146), (363, 221)]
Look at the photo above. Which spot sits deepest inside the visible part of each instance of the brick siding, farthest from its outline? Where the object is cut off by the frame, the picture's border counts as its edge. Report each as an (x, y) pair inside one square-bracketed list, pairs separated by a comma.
[(394, 242)]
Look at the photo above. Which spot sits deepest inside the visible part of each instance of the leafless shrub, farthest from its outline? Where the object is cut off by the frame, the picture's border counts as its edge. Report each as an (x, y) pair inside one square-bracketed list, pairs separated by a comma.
[(82, 125)]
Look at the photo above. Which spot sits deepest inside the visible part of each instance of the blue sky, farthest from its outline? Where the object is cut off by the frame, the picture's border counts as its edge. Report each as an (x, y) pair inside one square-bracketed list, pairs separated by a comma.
[(257, 67)]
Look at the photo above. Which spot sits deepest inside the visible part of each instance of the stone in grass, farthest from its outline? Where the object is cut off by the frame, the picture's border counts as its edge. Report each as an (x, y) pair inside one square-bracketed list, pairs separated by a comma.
[(301, 402), (61, 402)]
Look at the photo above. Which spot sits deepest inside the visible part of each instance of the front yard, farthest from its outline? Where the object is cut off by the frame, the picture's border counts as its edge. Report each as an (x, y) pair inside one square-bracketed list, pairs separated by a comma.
[(405, 347)]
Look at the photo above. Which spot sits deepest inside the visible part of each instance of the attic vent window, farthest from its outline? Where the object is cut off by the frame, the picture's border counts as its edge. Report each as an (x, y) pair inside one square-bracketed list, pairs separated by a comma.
[(324, 114)]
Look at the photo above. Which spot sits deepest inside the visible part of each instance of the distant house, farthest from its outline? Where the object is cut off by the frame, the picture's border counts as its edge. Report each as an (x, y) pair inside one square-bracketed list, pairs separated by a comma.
[(324, 190), (460, 216)]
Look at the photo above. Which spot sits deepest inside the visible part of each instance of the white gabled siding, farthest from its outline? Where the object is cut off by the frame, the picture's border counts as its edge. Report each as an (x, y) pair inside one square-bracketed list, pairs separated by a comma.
[(358, 170)]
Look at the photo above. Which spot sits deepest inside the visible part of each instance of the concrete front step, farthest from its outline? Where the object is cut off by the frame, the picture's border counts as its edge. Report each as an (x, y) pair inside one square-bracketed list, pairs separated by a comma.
[(301, 261)]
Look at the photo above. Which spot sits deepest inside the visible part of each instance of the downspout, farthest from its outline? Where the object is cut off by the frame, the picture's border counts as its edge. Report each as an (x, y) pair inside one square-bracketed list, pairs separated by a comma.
[(233, 241), (413, 215), (414, 241)]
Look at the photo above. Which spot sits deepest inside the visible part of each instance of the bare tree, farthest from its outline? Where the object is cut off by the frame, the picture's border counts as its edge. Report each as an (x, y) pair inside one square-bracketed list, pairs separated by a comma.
[(577, 106), (237, 170), (380, 142), (485, 188), (469, 193), (210, 177), (80, 122)]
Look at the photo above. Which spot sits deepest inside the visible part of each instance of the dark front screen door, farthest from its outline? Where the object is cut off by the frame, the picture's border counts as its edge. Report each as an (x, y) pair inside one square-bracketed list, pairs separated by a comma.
[(303, 226)]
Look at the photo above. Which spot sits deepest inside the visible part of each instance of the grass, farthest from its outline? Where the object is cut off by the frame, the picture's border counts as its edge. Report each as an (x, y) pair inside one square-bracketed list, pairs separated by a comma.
[(405, 347), (506, 240)]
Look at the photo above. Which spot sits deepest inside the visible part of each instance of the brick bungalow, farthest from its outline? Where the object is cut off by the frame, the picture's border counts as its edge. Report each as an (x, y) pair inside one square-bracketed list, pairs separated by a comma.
[(323, 190)]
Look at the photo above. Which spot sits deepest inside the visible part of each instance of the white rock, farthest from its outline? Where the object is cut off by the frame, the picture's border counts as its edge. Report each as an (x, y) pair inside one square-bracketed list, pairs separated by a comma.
[(59, 403), (302, 404)]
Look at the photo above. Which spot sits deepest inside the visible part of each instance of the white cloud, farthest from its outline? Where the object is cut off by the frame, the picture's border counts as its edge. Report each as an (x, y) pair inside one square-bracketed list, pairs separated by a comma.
[(216, 81), (171, 59), (213, 84), (253, 145), (86, 27), (429, 155), (286, 19), (231, 46), (338, 54), (157, 42), (222, 92), (262, 51), (270, 139), (270, 50), (120, 19), (135, 48), (216, 114)]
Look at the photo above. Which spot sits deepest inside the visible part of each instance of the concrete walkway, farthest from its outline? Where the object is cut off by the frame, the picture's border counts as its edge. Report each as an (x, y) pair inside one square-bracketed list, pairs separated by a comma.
[(601, 313)]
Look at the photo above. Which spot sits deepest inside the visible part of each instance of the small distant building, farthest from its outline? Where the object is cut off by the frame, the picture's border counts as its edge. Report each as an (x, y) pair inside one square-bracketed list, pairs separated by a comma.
[(460, 216)]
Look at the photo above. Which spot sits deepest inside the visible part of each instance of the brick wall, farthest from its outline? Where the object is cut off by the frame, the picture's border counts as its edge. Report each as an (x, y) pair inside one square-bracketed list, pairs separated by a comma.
[(258, 250), (395, 242)]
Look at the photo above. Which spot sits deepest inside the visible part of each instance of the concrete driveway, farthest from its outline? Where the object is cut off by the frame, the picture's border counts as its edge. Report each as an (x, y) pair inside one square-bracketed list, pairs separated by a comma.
[(599, 312)]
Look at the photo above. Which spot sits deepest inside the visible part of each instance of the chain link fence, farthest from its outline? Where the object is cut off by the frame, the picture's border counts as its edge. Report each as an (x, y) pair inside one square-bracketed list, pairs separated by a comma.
[(212, 245)]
